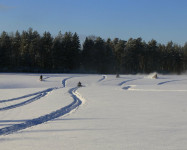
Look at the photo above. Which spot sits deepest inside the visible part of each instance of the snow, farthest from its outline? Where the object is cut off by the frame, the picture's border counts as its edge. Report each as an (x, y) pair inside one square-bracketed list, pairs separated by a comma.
[(132, 112)]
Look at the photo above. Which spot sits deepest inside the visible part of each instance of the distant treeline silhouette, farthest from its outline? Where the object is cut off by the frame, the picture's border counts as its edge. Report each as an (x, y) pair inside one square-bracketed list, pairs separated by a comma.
[(31, 52)]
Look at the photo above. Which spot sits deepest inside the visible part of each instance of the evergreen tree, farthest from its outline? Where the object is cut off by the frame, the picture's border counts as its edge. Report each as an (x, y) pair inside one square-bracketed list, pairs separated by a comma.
[(76, 51), (88, 55), (99, 55), (16, 41), (29, 51), (5, 51), (109, 57), (152, 57), (24, 50), (67, 43), (46, 51), (34, 48), (185, 57), (134, 55), (58, 57), (119, 50)]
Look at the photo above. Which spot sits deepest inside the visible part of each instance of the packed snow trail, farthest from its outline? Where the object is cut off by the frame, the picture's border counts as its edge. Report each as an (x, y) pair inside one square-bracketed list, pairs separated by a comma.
[(32, 122), (126, 87), (155, 90), (168, 81), (103, 78), (64, 81), (45, 118), (37, 97), (25, 96), (120, 84)]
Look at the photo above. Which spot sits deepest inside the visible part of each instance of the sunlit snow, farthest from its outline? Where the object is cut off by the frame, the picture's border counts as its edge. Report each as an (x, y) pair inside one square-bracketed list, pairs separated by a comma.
[(132, 112)]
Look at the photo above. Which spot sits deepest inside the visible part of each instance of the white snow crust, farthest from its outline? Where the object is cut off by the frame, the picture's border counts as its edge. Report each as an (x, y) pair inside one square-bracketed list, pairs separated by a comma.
[(133, 112)]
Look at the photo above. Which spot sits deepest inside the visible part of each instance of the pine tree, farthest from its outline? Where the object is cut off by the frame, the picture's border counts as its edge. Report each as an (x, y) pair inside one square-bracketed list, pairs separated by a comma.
[(5, 51), (88, 55), (46, 51), (58, 53), (16, 41), (119, 50), (76, 51)]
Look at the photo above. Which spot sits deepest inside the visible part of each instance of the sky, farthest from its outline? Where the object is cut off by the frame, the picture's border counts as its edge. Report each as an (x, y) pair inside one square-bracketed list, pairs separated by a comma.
[(162, 20)]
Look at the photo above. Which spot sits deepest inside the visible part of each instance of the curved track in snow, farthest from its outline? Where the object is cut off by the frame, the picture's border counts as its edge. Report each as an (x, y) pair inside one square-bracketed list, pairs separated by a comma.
[(25, 96), (64, 81), (32, 122), (77, 101), (126, 87), (103, 78), (37, 97), (120, 84), (161, 83)]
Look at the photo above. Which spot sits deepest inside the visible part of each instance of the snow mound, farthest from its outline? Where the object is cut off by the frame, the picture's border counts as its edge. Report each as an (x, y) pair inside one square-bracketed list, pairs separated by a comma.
[(153, 76)]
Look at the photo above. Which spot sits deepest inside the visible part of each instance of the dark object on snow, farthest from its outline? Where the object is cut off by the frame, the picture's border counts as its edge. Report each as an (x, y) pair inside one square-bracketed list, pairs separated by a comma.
[(79, 84), (41, 78), (155, 76), (117, 75)]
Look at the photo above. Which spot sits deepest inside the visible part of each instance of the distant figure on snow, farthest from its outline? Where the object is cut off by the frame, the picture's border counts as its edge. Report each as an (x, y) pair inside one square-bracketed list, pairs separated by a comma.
[(79, 84), (117, 75), (155, 76), (41, 78)]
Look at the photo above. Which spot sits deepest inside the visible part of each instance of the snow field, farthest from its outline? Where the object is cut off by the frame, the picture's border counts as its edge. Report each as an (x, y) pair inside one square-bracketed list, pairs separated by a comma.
[(149, 114)]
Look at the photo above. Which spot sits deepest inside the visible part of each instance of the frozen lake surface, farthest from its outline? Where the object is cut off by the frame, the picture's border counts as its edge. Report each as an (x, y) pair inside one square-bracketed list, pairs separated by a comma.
[(133, 112)]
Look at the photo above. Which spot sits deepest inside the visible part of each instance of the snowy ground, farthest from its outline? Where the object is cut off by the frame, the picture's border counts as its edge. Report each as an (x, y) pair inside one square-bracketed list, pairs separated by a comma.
[(133, 112)]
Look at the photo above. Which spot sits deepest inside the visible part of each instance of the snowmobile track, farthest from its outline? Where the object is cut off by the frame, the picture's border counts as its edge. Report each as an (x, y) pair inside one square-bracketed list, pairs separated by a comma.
[(103, 78), (37, 97), (45, 118)]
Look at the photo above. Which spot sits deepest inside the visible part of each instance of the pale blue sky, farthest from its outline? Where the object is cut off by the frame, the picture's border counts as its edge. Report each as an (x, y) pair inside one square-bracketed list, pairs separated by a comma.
[(162, 20)]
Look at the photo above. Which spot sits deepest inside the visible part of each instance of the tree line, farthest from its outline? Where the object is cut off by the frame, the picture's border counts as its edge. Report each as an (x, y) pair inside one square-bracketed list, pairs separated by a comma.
[(31, 52)]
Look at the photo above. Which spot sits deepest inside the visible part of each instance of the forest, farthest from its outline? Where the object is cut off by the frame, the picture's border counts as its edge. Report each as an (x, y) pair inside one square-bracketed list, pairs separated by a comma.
[(29, 51)]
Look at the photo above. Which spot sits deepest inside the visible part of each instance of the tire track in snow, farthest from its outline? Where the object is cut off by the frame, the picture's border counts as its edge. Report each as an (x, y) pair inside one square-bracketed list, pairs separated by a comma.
[(36, 121), (25, 96), (37, 97), (64, 81), (156, 90), (46, 78), (77, 101), (128, 87), (103, 78), (120, 84), (161, 83)]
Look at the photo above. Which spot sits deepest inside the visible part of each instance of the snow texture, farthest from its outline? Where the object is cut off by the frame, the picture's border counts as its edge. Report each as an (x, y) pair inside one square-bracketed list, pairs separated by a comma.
[(132, 112)]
